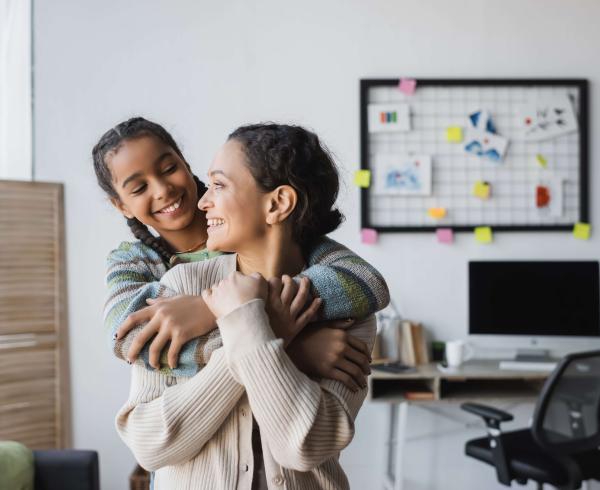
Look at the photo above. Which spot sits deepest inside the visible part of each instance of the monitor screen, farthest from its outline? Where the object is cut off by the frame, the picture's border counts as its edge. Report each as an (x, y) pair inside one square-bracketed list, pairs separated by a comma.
[(534, 298)]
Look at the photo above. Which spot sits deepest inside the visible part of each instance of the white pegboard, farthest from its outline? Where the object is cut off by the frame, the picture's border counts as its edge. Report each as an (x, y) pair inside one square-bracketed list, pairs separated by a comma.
[(454, 171)]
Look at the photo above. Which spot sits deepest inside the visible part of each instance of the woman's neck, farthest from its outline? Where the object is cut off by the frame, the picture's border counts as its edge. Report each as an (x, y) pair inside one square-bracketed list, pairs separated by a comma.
[(284, 257), (191, 238)]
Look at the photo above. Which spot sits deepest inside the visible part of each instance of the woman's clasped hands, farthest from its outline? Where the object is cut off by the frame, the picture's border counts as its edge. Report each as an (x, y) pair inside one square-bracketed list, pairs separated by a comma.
[(324, 350)]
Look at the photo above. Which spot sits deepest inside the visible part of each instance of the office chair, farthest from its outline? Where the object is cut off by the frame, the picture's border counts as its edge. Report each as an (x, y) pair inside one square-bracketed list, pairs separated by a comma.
[(561, 446)]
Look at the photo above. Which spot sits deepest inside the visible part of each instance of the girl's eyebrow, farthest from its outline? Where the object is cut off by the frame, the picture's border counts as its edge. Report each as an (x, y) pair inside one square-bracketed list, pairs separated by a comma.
[(139, 174)]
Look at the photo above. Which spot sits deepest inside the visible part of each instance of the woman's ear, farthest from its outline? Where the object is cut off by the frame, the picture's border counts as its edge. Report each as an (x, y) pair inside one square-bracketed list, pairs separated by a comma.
[(282, 201), (119, 206)]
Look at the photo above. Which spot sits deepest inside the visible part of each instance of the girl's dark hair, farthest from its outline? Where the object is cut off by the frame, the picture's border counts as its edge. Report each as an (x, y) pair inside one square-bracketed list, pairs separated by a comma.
[(279, 154), (110, 142)]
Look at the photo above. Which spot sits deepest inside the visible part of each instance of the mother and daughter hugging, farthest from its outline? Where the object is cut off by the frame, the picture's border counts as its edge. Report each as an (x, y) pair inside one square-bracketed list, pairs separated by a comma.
[(248, 330)]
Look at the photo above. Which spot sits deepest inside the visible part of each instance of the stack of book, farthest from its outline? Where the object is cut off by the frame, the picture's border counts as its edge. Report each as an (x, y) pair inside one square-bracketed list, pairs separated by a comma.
[(413, 344)]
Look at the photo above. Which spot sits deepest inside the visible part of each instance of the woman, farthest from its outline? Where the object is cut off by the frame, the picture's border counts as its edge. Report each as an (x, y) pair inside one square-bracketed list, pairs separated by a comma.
[(271, 195)]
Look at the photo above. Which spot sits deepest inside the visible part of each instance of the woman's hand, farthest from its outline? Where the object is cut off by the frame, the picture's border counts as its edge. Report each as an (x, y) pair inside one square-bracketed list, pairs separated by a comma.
[(233, 291), (177, 319), (324, 350), (285, 305)]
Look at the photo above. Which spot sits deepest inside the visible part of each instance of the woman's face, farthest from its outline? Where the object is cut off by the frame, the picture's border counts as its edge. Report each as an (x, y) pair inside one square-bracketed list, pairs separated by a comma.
[(154, 184), (234, 204)]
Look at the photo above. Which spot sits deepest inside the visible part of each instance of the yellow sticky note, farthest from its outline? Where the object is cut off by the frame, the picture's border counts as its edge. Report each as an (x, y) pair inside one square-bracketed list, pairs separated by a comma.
[(483, 234), (437, 213), (541, 160), (482, 190), (362, 178), (454, 134), (582, 231)]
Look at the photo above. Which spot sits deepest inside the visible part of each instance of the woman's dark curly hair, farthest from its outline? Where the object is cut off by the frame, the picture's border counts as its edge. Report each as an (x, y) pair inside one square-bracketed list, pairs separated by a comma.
[(110, 142), (279, 154)]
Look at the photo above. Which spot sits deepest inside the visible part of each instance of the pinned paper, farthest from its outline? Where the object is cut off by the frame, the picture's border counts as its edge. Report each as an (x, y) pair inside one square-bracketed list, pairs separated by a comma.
[(582, 231), (541, 160), (407, 86), (547, 117), (445, 235), (482, 190), (454, 134), (436, 213), (388, 118), (483, 234), (369, 236), (402, 175), (362, 178)]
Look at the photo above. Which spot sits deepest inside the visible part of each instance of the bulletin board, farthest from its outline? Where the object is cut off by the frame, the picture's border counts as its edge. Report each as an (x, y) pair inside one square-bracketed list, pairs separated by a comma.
[(527, 146)]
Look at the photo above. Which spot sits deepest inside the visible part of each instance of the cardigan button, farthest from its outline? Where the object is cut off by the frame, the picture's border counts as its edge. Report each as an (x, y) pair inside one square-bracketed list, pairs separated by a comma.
[(245, 467), (243, 412), (278, 480)]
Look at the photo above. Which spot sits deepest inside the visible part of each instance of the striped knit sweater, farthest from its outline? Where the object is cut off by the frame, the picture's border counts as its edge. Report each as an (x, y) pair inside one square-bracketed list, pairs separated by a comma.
[(349, 287), (196, 432)]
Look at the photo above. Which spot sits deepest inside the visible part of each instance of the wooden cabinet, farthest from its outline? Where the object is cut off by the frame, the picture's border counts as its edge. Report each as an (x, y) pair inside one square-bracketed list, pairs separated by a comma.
[(34, 374)]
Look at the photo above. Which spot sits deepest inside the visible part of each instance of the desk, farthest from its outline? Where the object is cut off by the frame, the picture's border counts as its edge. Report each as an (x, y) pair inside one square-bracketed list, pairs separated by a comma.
[(480, 381)]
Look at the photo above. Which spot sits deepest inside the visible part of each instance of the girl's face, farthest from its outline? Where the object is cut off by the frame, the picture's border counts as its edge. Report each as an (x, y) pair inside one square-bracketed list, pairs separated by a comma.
[(154, 185), (236, 208)]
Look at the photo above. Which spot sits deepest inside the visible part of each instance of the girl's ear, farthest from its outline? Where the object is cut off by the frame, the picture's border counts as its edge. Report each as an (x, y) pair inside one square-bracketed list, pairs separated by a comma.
[(124, 210), (281, 201)]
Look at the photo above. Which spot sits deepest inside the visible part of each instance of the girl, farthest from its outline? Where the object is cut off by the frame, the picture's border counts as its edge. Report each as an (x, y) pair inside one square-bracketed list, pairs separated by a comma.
[(144, 173), (272, 192)]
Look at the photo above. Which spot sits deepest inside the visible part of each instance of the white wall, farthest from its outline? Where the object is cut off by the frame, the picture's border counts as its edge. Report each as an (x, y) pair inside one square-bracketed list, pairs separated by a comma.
[(201, 68)]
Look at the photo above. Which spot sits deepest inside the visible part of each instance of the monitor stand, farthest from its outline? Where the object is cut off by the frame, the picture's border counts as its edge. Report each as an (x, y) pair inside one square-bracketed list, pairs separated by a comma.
[(530, 360)]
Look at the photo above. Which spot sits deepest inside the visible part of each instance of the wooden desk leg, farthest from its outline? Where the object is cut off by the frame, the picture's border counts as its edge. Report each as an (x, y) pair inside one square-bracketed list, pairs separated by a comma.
[(402, 412)]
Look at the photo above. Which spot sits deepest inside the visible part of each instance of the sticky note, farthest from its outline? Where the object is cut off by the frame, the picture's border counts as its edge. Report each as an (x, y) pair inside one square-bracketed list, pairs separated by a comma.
[(445, 235), (369, 236), (541, 160), (454, 134), (482, 190), (407, 86), (582, 231), (483, 234), (437, 213), (362, 178)]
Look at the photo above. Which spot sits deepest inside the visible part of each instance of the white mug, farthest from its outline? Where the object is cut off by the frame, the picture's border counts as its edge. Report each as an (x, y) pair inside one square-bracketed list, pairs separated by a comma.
[(458, 351)]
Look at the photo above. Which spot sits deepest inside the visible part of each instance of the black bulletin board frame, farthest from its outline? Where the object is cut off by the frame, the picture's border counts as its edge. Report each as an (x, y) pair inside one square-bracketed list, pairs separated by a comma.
[(583, 119)]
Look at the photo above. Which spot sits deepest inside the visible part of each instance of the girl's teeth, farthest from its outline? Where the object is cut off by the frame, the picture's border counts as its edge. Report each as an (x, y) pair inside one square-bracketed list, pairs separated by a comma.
[(172, 208)]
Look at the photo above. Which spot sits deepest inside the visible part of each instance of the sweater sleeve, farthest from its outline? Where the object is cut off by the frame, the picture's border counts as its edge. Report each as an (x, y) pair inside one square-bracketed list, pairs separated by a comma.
[(165, 423), (348, 285), (133, 276), (304, 422)]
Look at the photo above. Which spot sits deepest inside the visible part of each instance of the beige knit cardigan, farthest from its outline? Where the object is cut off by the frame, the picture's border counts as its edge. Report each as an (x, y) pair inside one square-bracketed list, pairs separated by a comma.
[(196, 433)]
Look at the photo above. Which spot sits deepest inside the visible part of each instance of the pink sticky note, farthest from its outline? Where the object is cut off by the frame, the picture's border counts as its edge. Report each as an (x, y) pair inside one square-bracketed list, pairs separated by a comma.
[(407, 85), (445, 235), (368, 236)]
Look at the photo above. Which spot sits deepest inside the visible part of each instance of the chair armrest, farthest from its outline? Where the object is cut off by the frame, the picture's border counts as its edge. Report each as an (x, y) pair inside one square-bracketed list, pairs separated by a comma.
[(491, 415), (66, 469)]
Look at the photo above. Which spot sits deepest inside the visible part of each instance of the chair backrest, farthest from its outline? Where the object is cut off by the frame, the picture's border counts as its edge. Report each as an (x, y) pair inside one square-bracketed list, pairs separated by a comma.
[(567, 415)]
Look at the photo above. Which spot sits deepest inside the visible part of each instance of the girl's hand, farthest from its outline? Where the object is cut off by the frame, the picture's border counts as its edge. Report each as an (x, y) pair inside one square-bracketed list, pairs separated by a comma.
[(285, 305), (177, 319), (327, 351), (233, 291)]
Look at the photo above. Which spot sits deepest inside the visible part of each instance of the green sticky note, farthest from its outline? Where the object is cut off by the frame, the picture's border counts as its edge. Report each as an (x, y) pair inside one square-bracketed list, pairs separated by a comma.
[(582, 231), (362, 178), (454, 134), (483, 234)]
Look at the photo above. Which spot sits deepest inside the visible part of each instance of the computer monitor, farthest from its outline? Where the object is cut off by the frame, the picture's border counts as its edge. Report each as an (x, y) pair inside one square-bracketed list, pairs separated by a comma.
[(535, 304)]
